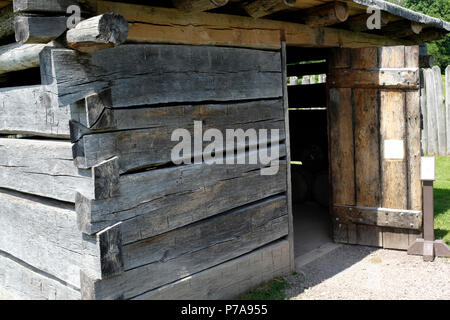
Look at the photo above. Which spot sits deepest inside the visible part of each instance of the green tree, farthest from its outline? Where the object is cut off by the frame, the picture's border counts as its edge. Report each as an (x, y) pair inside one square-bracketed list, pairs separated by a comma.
[(439, 9)]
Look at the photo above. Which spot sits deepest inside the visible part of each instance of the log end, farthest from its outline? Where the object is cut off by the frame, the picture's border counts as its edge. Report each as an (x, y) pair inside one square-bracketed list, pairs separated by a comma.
[(341, 11), (113, 29), (97, 33)]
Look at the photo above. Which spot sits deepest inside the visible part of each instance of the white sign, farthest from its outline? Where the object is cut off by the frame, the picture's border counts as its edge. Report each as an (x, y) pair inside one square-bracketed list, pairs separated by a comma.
[(428, 169), (394, 149)]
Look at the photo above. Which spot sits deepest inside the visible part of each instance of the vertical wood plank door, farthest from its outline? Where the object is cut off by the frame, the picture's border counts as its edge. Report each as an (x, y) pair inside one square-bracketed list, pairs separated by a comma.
[(375, 147)]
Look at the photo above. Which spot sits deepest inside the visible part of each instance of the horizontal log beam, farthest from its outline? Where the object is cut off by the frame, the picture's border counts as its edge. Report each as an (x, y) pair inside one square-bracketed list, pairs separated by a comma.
[(376, 78), (33, 110), (402, 29), (198, 5), (358, 23), (327, 15), (43, 234), (44, 168), (250, 74), (383, 217), (104, 31), (262, 8), (35, 29), (427, 35), (198, 246), (154, 202), (163, 25), (21, 282), (52, 6), (16, 57), (131, 144), (215, 283)]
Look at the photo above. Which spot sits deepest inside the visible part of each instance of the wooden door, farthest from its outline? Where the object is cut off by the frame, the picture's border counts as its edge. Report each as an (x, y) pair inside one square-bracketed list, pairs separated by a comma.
[(374, 135)]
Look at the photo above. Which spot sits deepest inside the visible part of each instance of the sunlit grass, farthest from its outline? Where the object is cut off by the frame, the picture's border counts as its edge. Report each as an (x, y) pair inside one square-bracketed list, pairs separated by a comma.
[(272, 290), (442, 199)]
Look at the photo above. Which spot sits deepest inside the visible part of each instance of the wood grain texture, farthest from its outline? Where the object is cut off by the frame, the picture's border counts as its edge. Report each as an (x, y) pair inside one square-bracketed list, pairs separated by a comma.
[(431, 112), (43, 168), (367, 164), (198, 5), (164, 25), (440, 111), (367, 144), (16, 57), (392, 78), (39, 29), (413, 131), (20, 282), (156, 201), (342, 146), (230, 279), (382, 217), (399, 239), (262, 8), (139, 148), (326, 15), (154, 74), (392, 127), (32, 110), (182, 252), (423, 112), (104, 31), (42, 234), (378, 115), (288, 157)]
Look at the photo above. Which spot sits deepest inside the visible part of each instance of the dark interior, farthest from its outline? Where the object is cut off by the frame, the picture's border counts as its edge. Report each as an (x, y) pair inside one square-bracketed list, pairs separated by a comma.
[(309, 148)]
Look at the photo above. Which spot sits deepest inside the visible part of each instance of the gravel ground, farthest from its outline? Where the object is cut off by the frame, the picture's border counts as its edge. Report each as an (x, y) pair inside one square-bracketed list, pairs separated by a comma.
[(357, 272)]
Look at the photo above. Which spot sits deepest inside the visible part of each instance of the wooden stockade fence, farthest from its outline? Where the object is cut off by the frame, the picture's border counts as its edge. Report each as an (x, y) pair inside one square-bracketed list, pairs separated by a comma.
[(435, 108)]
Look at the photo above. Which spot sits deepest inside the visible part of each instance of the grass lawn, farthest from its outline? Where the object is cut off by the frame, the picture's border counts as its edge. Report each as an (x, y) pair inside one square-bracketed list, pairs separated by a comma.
[(442, 199), (272, 290)]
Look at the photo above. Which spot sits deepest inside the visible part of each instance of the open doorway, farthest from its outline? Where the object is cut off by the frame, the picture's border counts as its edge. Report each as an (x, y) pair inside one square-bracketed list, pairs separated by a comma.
[(306, 69)]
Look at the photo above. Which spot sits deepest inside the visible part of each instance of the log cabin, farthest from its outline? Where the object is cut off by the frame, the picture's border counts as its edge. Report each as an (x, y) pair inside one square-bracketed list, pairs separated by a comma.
[(92, 205)]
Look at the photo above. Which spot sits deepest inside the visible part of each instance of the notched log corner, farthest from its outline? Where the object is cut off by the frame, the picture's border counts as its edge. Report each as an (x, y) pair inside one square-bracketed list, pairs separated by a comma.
[(106, 179), (111, 257)]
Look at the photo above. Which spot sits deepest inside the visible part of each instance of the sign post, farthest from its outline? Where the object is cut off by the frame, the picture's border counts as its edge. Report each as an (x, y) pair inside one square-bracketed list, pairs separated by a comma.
[(428, 247)]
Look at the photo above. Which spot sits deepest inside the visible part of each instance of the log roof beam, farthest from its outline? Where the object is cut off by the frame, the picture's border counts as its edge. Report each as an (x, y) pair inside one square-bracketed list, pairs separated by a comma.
[(327, 15), (165, 25), (198, 5)]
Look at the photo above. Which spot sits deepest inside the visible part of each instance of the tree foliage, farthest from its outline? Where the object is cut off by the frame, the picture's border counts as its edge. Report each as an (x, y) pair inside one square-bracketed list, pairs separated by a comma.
[(439, 9)]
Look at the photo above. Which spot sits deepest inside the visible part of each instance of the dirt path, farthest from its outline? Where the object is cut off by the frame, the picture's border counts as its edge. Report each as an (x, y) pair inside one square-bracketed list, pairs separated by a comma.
[(356, 272)]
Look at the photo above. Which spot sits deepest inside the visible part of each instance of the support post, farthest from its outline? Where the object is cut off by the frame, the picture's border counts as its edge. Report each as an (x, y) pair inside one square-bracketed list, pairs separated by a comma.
[(428, 247)]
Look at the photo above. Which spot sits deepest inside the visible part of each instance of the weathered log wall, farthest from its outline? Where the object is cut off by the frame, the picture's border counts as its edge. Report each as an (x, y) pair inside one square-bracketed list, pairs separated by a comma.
[(132, 221)]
